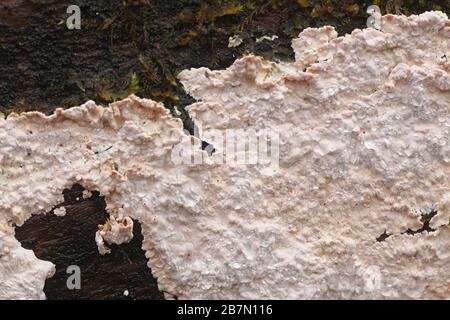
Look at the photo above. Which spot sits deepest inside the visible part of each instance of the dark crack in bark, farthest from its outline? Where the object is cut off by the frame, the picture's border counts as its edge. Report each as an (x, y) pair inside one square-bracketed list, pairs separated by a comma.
[(426, 217)]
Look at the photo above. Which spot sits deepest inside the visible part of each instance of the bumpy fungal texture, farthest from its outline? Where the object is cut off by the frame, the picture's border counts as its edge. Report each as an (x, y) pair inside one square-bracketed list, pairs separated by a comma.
[(114, 232), (22, 274), (60, 212), (363, 124), (97, 147)]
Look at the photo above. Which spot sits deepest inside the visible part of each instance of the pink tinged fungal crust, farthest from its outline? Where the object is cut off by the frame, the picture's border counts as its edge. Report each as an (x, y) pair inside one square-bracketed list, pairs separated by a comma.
[(114, 232), (363, 123), (22, 275)]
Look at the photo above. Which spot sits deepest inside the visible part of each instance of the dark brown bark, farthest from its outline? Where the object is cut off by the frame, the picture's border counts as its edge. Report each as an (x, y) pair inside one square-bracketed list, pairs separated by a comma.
[(69, 240)]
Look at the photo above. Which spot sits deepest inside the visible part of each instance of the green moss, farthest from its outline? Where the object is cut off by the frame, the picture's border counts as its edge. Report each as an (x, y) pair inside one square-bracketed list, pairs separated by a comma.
[(139, 46)]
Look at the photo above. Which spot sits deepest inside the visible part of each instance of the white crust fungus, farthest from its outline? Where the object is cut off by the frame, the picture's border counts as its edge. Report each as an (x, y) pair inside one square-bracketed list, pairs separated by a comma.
[(87, 194), (364, 126), (60, 212), (235, 41), (114, 232)]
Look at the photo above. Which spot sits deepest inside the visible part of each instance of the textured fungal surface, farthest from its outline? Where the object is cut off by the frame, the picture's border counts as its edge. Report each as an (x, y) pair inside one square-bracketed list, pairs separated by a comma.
[(357, 207), (114, 232)]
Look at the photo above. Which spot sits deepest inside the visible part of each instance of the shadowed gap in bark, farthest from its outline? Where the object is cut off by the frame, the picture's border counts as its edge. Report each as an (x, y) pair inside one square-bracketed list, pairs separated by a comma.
[(69, 240), (425, 219)]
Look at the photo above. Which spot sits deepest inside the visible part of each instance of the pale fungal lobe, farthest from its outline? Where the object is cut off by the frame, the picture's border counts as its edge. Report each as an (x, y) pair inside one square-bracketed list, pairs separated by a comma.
[(234, 41), (363, 130), (266, 37), (60, 212), (87, 194), (114, 232)]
